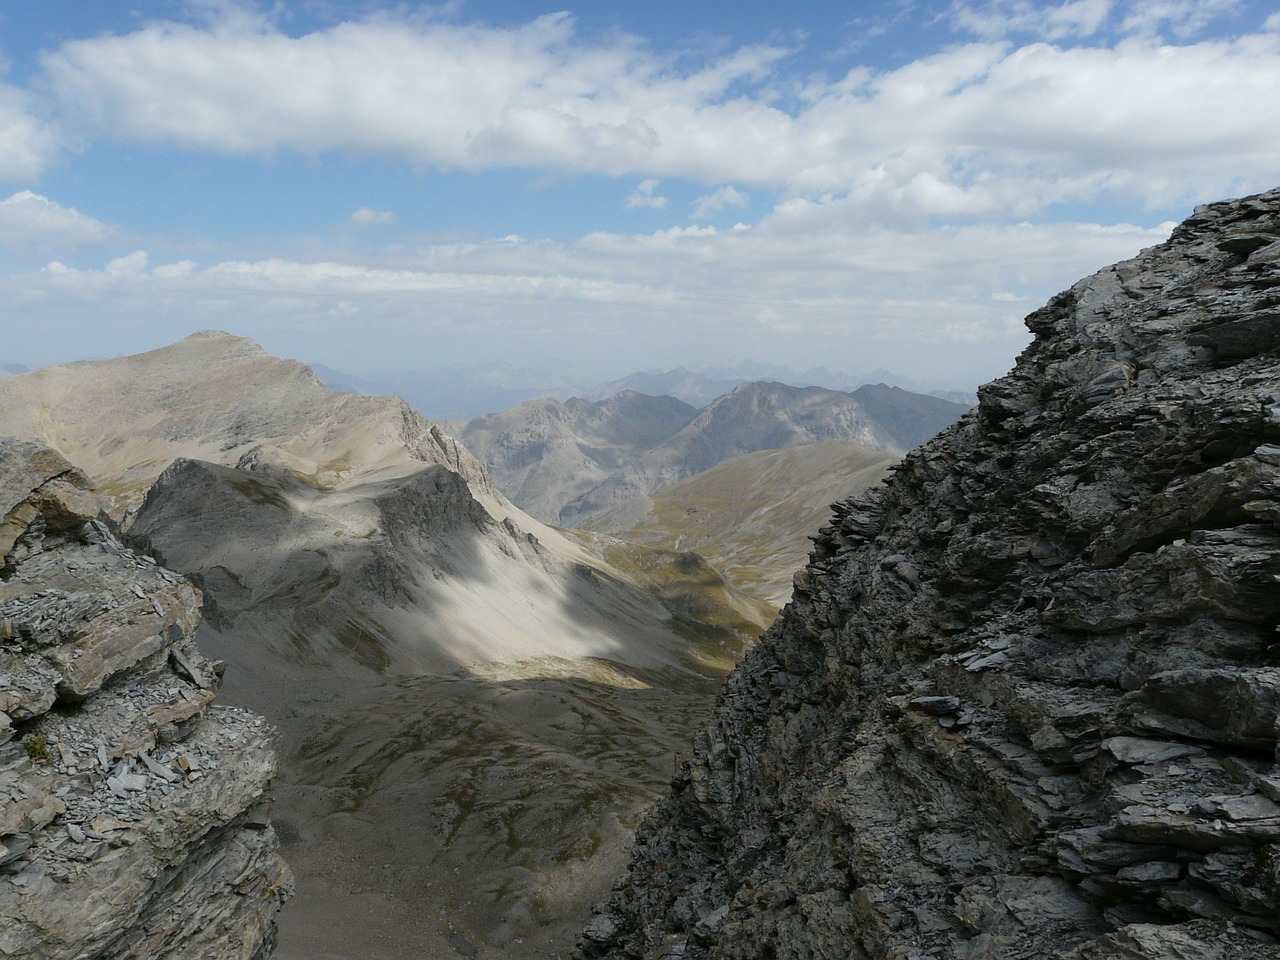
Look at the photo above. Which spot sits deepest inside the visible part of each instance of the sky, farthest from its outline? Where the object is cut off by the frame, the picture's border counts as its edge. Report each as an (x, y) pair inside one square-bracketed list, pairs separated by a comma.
[(620, 186)]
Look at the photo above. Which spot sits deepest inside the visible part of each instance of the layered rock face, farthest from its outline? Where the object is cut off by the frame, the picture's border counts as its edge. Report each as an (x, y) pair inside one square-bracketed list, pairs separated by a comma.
[(1024, 700), (133, 811)]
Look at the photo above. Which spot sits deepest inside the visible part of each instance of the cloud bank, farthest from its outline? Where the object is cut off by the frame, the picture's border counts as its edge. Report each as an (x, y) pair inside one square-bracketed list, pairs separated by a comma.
[(979, 129), (32, 226), (949, 302)]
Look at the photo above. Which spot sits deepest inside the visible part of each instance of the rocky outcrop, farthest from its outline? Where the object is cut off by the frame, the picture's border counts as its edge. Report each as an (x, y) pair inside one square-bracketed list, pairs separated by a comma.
[(133, 810), (1023, 702)]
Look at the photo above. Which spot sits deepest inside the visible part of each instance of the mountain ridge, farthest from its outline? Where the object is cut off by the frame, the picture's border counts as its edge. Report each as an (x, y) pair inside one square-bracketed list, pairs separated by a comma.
[(554, 460)]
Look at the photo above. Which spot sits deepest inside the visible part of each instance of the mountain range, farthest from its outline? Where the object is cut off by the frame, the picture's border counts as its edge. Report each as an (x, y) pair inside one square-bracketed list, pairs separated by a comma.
[(1023, 700), (568, 463), (461, 392)]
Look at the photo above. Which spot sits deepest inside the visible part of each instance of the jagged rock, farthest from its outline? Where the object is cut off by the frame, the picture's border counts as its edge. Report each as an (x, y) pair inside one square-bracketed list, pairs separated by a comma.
[(1024, 700), (130, 816)]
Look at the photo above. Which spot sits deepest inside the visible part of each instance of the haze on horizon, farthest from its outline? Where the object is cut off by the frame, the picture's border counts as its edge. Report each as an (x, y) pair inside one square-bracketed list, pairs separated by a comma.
[(386, 186)]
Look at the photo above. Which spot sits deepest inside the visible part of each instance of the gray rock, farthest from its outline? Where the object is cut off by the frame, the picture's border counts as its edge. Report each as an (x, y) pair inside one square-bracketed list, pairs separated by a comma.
[(99, 865)]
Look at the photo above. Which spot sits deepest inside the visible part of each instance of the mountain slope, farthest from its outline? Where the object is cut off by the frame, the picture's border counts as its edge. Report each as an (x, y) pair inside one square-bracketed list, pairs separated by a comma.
[(545, 453), (1024, 701), (749, 515), (567, 463)]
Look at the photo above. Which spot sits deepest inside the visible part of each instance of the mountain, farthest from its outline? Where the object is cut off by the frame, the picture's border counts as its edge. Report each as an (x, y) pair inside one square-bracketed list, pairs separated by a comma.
[(423, 646), (8, 369), (761, 416), (136, 814), (747, 515), (697, 389), (1024, 700), (546, 453), (222, 399), (569, 462)]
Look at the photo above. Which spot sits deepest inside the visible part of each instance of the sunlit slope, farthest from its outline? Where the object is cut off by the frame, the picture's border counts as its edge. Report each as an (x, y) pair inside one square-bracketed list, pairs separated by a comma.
[(750, 516), (223, 399)]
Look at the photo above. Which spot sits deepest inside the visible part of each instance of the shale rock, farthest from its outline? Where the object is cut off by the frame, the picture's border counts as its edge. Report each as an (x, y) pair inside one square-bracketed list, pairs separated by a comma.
[(1023, 702), (130, 804)]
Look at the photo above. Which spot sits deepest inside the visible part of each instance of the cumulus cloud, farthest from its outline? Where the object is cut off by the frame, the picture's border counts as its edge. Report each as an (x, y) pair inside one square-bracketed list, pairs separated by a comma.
[(368, 217), (726, 196), (34, 227), (985, 129), (645, 195)]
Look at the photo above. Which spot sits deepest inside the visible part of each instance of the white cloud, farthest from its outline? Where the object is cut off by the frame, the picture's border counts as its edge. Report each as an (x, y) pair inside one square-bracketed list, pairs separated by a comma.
[(726, 196), (130, 265), (806, 286), (1183, 18), (993, 19), (27, 143), (644, 195), (33, 226), (368, 217), (983, 130)]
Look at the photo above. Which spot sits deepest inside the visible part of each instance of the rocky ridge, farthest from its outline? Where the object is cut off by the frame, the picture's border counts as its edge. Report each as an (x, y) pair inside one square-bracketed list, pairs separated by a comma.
[(1023, 702), (133, 810)]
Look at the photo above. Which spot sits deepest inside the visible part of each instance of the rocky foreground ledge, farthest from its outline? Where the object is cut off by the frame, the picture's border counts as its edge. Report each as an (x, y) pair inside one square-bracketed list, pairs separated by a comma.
[(1024, 700), (133, 811)]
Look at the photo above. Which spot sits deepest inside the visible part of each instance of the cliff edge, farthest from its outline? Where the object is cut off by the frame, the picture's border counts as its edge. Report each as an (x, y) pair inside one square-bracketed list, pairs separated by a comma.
[(1023, 702), (133, 811)]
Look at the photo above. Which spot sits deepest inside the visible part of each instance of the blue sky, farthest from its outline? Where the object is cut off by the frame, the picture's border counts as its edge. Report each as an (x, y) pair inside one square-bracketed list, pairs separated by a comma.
[(389, 186)]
